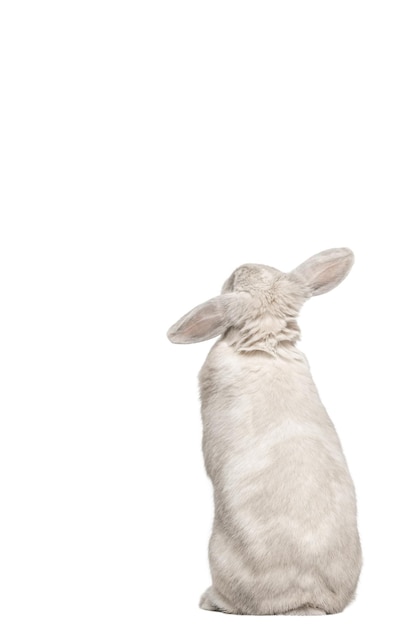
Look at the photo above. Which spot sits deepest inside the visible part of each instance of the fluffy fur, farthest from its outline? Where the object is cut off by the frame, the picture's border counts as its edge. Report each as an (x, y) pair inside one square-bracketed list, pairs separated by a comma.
[(285, 538)]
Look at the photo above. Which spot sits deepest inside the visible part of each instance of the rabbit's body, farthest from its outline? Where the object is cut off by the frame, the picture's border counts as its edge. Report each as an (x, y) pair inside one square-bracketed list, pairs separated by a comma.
[(284, 534), (284, 538)]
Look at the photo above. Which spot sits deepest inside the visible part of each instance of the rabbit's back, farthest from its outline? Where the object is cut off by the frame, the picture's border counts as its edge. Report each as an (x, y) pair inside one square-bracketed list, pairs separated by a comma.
[(285, 511)]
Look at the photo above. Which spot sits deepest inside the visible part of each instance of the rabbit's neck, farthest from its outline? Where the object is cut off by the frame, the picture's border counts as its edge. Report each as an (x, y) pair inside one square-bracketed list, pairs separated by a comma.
[(267, 334)]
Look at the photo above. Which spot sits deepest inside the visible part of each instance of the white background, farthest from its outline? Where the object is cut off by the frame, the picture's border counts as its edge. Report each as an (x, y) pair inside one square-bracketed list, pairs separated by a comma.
[(147, 149)]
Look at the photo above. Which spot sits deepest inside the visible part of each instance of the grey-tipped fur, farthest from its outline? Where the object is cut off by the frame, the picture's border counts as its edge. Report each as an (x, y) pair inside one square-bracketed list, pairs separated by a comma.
[(285, 538)]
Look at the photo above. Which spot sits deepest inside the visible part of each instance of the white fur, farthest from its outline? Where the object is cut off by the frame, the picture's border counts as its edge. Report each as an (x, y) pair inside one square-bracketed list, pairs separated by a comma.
[(284, 538)]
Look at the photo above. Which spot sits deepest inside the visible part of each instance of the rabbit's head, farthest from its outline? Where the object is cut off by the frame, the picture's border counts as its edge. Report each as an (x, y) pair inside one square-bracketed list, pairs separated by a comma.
[(258, 306)]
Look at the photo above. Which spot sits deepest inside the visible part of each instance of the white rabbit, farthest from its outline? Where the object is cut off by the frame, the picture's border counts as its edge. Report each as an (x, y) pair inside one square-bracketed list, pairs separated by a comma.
[(285, 538)]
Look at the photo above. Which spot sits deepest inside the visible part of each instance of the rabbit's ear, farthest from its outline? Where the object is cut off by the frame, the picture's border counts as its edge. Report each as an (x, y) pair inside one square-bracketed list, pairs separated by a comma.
[(324, 271), (204, 322)]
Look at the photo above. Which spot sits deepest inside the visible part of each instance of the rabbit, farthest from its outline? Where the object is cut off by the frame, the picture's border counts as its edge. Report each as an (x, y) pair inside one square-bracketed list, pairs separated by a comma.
[(285, 538)]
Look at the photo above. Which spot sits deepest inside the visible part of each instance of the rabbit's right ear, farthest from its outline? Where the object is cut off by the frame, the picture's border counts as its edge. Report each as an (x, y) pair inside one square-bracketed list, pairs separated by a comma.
[(324, 271), (205, 321)]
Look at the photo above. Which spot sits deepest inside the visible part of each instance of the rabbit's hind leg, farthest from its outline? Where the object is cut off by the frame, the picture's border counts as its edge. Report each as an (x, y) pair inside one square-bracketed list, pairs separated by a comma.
[(212, 601), (206, 603), (305, 610)]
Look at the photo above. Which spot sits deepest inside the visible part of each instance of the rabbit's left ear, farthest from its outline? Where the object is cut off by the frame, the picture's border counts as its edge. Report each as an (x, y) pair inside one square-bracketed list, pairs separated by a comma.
[(205, 321), (325, 270)]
